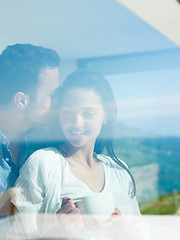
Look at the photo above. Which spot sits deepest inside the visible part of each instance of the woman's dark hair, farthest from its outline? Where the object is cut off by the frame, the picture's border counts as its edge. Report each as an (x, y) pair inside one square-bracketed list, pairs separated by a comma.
[(94, 81)]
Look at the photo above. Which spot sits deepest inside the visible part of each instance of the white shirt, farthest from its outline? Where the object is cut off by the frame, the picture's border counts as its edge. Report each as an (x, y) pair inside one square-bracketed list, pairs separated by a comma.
[(46, 178)]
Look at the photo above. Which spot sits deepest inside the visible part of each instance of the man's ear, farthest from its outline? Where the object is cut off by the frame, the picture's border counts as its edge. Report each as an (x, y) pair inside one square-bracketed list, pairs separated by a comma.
[(21, 100)]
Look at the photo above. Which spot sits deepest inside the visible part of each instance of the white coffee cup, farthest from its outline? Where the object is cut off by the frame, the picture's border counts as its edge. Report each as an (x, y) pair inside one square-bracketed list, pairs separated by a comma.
[(97, 204)]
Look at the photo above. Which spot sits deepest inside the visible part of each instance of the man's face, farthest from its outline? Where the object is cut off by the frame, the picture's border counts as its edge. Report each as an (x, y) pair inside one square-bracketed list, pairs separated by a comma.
[(48, 83)]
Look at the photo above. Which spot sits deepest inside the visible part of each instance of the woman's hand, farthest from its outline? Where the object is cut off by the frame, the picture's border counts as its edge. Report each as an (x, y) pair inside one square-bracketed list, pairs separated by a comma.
[(117, 225), (68, 207), (70, 216), (116, 212)]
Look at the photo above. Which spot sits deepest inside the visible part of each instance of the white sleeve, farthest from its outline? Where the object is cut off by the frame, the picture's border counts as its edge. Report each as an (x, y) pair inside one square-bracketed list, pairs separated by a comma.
[(40, 178)]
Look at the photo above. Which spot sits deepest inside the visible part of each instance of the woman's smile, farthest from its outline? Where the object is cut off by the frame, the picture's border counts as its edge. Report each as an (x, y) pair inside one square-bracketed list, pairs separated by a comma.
[(78, 132), (81, 116)]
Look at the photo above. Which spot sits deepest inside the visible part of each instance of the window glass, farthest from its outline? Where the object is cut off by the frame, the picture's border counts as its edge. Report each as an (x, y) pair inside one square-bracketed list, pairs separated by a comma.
[(147, 135)]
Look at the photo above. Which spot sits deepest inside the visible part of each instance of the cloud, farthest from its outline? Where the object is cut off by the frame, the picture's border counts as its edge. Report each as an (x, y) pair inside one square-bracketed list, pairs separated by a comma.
[(162, 106)]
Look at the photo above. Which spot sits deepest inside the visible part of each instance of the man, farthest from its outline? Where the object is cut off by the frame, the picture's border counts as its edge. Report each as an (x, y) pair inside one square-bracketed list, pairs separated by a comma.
[(29, 75)]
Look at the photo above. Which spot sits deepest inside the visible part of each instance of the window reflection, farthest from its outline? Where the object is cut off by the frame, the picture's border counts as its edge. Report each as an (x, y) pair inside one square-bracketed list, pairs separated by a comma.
[(147, 132), (148, 136)]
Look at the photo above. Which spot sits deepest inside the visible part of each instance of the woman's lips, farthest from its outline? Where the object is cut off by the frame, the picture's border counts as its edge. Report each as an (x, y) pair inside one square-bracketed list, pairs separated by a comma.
[(78, 132)]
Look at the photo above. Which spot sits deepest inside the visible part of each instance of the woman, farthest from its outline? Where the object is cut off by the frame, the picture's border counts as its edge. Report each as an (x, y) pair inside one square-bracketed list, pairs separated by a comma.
[(75, 166)]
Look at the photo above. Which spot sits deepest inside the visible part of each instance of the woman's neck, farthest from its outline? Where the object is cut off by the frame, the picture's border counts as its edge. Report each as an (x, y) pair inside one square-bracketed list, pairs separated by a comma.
[(82, 156)]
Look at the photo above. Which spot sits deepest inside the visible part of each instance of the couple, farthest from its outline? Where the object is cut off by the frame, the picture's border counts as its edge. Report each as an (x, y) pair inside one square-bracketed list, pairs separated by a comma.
[(74, 165)]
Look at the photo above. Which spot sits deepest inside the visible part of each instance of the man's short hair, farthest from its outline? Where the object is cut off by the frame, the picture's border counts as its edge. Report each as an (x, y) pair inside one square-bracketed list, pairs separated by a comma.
[(20, 67)]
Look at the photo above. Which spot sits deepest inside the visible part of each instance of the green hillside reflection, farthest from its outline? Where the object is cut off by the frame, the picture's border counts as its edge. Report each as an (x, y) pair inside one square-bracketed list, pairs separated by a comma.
[(155, 164)]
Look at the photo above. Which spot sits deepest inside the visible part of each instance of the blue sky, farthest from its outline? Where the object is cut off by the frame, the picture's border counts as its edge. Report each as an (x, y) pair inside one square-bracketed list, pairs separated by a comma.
[(146, 84), (149, 101), (83, 29)]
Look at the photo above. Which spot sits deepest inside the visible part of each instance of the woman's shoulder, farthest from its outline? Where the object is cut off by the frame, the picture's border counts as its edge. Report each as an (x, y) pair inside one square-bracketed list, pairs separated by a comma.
[(46, 153), (109, 161), (45, 157), (117, 171), (50, 151)]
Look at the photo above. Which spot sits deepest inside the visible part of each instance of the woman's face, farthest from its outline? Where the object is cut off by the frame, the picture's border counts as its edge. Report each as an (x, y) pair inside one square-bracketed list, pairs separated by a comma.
[(81, 116)]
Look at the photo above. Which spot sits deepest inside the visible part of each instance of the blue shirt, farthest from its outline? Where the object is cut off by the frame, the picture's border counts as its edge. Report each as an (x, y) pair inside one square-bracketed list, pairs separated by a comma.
[(8, 169), (32, 140)]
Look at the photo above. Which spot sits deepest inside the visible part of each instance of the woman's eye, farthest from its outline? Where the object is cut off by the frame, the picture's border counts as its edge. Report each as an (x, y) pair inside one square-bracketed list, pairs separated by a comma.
[(89, 114)]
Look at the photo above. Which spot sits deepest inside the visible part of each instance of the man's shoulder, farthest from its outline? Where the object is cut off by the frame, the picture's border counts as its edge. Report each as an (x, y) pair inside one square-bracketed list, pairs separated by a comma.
[(8, 170), (3, 139)]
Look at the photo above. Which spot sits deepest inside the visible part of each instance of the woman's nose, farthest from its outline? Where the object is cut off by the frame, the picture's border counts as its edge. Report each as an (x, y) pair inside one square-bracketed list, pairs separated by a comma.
[(78, 120)]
